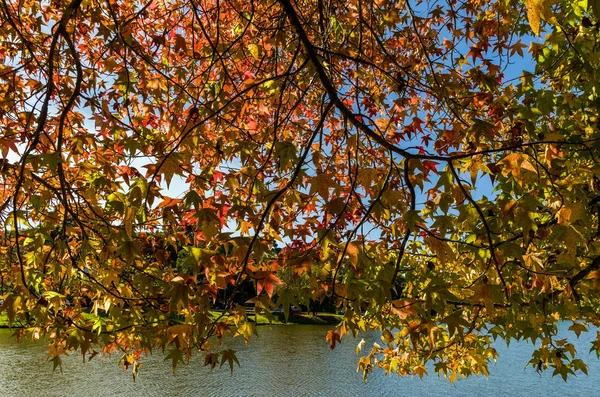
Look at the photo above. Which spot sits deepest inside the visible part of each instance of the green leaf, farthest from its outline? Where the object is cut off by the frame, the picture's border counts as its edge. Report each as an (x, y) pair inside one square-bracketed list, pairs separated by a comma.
[(176, 357), (595, 8), (228, 356)]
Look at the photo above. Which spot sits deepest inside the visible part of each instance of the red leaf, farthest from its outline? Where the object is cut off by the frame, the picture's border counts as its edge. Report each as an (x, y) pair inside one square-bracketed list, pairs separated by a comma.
[(218, 176), (417, 124), (430, 166), (475, 52)]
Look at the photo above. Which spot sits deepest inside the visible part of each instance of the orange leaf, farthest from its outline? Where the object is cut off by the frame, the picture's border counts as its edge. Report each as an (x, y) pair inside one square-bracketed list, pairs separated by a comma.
[(333, 337), (266, 280)]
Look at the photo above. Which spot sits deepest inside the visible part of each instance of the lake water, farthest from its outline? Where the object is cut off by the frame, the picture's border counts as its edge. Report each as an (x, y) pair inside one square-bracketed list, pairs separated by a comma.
[(283, 361)]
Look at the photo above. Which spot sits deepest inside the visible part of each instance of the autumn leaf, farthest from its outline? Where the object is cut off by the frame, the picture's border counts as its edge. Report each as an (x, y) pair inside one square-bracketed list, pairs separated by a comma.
[(180, 43), (161, 162), (352, 251), (475, 52), (483, 294), (267, 281), (246, 330), (420, 371), (333, 337), (578, 328), (441, 248), (228, 356), (126, 360), (564, 216), (537, 11), (135, 369), (456, 323), (518, 48), (176, 357), (533, 15), (211, 360), (405, 308), (56, 363)]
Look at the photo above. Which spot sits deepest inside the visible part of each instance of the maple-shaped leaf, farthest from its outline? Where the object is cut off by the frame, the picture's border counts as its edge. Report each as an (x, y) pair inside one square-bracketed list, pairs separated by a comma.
[(126, 172), (169, 202), (220, 329), (540, 10), (246, 330), (321, 185), (180, 43), (179, 293), (127, 360), (564, 216), (405, 308), (420, 371), (211, 360), (266, 280), (56, 363), (456, 323), (475, 52), (482, 293), (170, 166), (517, 48), (228, 356), (263, 305), (333, 337), (286, 297), (430, 166), (578, 328), (176, 356)]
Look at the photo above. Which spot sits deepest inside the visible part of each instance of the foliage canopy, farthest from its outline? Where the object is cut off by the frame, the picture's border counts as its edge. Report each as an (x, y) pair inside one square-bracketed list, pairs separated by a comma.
[(429, 168)]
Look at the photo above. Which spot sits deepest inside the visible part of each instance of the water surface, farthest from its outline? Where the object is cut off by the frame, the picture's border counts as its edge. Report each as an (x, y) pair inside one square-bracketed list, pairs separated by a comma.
[(283, 361)]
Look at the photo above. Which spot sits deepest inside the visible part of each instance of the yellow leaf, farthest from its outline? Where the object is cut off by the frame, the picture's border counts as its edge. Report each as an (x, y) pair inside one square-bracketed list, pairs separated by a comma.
[(246, 330), (442, 250), (526, 165), (533, 15), (352, 252), (419, 370), (511, 164), (551, 153), (170, 166), (254, 51), (564, 216), (538, 11), (482, 294)]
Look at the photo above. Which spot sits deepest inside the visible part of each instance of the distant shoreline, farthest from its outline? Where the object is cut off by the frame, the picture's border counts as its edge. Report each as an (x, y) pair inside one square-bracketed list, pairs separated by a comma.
[(261, 319)]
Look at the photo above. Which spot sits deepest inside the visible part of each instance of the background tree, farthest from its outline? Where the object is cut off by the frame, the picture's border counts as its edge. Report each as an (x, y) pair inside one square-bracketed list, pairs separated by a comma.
[(422, 170)]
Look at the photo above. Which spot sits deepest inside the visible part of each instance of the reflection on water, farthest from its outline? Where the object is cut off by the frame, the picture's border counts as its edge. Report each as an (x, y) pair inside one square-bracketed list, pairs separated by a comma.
[(283, 361)]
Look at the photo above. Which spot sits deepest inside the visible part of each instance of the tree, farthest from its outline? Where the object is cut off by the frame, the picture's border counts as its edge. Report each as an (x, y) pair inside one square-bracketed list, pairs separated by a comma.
[(431, 167)]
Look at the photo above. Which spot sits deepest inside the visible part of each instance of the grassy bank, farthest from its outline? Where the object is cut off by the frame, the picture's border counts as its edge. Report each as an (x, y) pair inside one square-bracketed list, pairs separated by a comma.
[(294, 318), (298, 318), (3, 320), (278, 319)]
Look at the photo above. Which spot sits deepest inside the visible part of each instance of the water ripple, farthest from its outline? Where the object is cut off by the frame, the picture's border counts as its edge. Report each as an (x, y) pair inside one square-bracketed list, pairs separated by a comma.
[(283, 361)]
